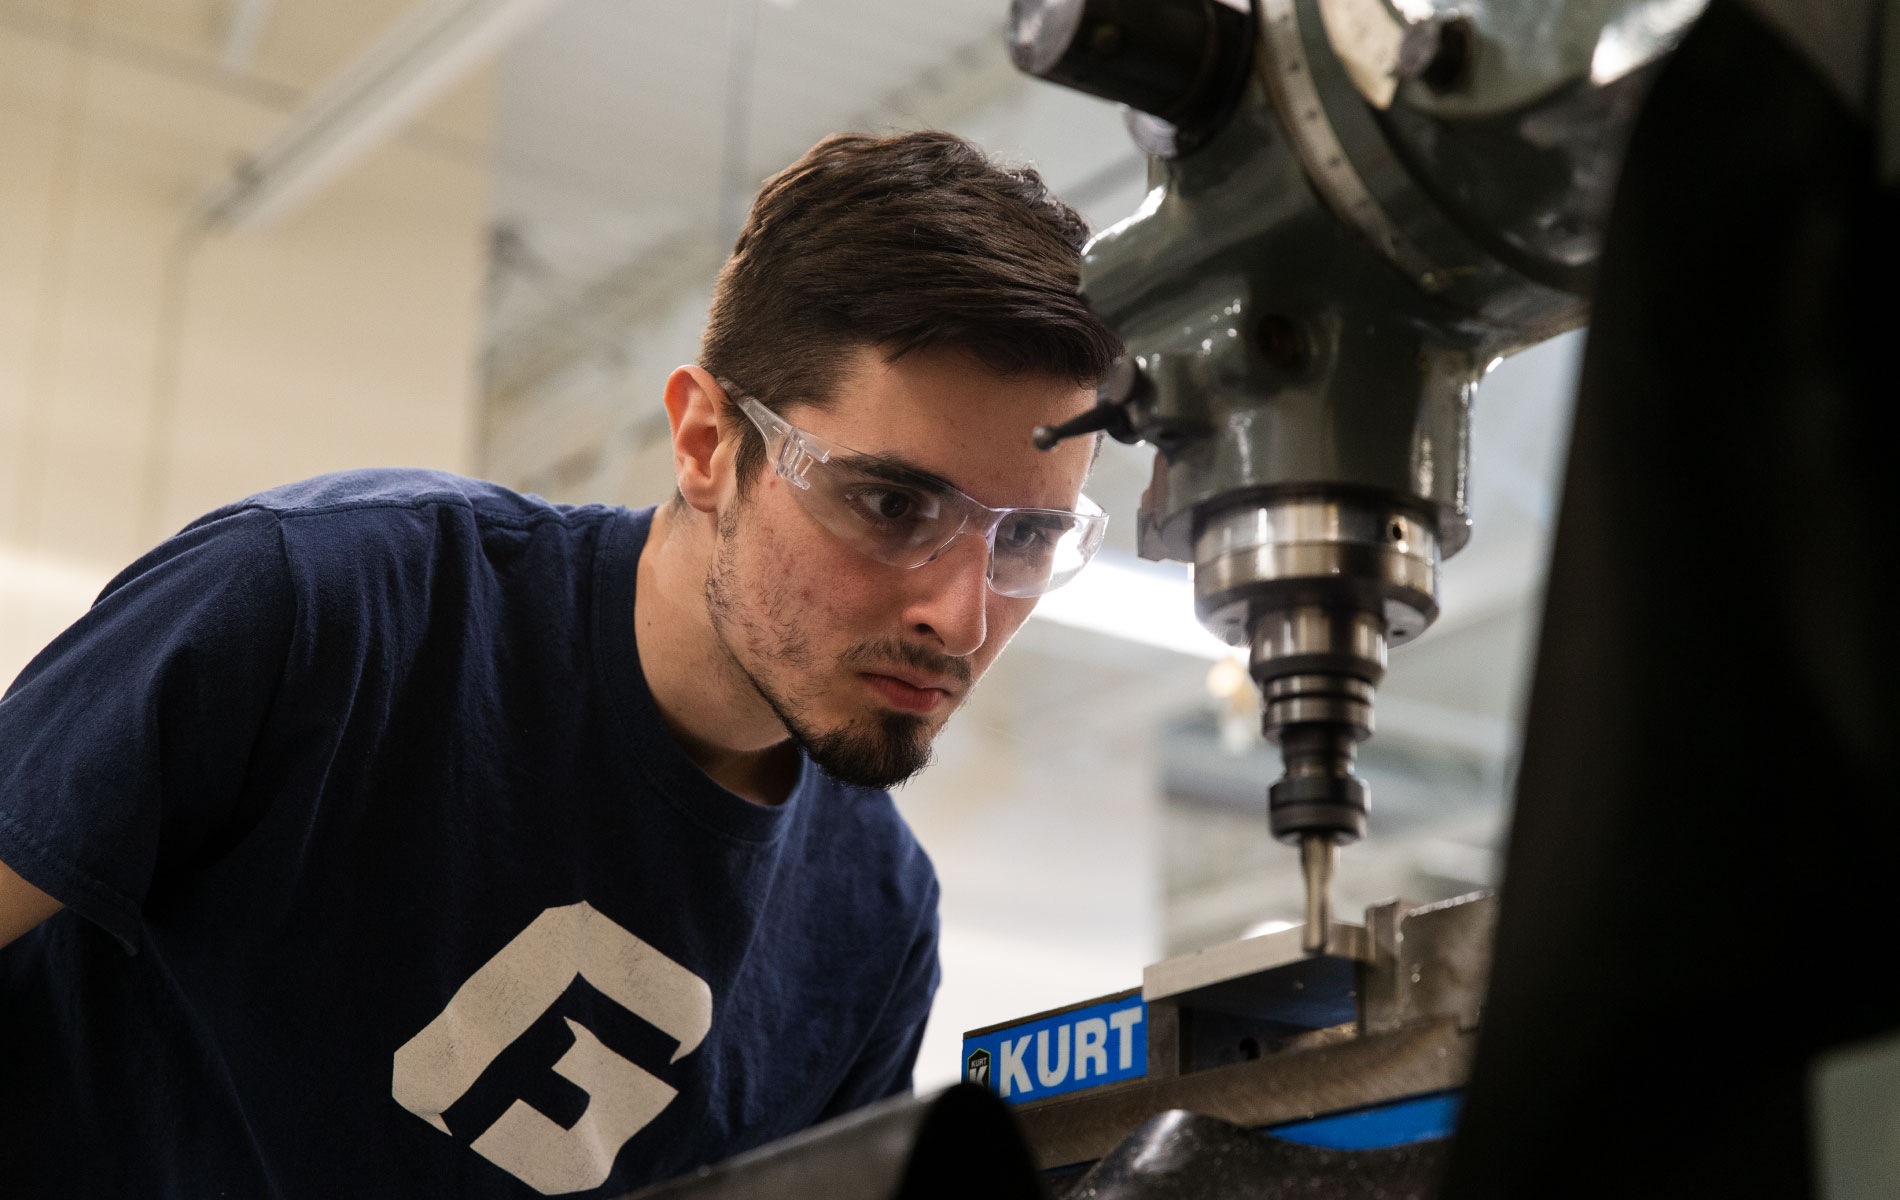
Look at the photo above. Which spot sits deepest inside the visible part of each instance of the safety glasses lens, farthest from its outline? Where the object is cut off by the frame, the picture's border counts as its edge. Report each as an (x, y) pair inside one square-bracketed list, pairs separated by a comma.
[(891, 522), (908, 524), (1035, 551)]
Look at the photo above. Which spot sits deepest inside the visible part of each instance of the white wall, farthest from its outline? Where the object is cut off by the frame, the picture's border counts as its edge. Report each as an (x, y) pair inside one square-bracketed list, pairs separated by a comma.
[(146, 376)]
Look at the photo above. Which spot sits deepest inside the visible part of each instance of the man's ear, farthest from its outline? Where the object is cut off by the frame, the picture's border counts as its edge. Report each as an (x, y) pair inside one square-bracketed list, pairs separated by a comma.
[(693, 401)]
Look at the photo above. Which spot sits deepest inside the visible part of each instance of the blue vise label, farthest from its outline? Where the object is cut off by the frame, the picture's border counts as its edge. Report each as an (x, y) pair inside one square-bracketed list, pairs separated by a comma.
[(1067, 1051)]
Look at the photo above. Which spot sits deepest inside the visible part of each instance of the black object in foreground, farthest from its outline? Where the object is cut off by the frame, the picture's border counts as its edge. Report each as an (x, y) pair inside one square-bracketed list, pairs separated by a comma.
[(961, 1142), (1180, 1154), (1710, 748)]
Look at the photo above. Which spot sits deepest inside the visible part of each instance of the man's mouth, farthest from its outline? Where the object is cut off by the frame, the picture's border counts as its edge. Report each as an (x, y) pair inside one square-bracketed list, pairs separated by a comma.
[(914, 694)]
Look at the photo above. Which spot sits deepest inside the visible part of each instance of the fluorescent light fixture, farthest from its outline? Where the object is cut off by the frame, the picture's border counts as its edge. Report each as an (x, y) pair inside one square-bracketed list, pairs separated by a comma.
[(1151, 603), (420, 57), (243, 30)]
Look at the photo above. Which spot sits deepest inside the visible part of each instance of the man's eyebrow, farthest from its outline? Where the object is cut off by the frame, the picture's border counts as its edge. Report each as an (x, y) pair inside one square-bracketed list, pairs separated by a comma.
[(1042, 518), (896, 470)]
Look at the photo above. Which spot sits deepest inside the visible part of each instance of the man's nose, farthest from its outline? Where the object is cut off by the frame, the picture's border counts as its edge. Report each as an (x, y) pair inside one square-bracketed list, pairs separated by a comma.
[(951, 602)]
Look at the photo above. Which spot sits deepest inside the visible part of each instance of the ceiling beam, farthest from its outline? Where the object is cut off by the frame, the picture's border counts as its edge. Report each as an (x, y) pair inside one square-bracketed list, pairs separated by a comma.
[(428, 50), (244, 27)]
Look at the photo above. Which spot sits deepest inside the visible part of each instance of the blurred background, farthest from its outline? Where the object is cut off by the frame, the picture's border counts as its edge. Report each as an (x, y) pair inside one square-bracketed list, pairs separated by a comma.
[(247, 241)]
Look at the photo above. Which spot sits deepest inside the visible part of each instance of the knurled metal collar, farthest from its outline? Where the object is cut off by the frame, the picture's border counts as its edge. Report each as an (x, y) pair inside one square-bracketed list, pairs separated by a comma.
[(1307, 551)]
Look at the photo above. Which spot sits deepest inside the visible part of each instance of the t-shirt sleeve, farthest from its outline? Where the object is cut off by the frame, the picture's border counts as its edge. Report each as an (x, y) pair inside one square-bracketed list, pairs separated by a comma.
[(124, 744), (890, 1054)]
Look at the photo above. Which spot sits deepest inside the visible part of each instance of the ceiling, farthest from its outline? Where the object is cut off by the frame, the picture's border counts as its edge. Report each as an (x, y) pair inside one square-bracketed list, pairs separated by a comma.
[(621, 126)]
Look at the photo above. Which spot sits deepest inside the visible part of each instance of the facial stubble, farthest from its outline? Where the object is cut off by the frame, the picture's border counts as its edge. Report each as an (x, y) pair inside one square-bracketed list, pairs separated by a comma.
[(875, 750)]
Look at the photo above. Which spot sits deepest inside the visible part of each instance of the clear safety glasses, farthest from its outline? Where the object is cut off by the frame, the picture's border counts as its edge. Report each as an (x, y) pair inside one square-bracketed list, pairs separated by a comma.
[(905, 517)]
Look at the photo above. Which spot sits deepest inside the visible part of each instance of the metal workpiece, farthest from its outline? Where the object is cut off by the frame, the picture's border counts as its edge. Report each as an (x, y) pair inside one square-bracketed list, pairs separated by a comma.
[(1429, 962), (1198, 977), (1408, 963), (1271, 1090), (1464, 922), (1263, 995)]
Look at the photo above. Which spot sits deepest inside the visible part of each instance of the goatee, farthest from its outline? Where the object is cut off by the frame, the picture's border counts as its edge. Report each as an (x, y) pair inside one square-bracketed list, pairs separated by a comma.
[(880, 751)]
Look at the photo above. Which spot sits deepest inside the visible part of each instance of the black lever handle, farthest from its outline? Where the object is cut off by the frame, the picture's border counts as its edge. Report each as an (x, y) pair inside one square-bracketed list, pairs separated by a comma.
[(1122, 384)]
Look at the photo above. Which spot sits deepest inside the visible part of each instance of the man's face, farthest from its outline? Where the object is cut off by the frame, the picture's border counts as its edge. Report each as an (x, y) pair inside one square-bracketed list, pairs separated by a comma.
[(863, 661)]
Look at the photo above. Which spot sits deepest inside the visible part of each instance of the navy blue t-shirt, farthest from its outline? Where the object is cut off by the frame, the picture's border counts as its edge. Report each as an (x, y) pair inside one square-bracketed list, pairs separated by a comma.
[(384, 876)]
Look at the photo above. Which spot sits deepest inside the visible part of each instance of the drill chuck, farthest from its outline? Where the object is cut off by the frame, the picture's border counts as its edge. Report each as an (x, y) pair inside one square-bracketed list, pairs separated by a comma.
[(1318, 718), (1319, 587)]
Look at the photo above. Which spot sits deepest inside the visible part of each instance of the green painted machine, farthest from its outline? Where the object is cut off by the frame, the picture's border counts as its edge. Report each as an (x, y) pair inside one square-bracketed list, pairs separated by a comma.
[(1356, 207)]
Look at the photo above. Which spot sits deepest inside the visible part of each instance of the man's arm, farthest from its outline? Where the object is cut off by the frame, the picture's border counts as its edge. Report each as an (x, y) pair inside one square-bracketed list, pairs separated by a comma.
[(123, 744), (22, 906)]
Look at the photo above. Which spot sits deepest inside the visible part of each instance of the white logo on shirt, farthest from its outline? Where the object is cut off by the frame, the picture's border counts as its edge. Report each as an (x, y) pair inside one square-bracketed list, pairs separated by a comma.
[(506, 996)]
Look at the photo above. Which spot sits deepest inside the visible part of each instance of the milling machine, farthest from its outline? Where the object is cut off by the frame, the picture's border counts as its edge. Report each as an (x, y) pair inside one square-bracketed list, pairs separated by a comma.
[(1355, 207)]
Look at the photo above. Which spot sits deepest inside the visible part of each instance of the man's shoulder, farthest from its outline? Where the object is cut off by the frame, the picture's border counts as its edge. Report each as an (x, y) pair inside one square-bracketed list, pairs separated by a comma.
[(371, 489), (402, 509), (418, 542)]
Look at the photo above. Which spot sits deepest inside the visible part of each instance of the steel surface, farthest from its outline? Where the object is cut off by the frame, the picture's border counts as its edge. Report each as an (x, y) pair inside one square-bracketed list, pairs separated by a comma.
[(1173, 977)]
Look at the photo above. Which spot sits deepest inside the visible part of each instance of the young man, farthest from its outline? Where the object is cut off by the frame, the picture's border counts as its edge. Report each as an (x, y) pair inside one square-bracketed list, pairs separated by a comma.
[(416, 837)]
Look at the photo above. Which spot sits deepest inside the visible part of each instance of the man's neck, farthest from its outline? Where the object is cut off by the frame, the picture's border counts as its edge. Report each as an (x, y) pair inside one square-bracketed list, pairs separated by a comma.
[(719, 718)]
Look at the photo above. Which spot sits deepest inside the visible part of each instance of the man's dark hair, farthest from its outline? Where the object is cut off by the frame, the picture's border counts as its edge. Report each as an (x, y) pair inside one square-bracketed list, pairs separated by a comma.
[(902, 243)]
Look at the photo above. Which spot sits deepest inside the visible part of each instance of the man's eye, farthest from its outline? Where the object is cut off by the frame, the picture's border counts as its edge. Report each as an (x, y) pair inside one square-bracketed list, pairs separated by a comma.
[(887, 505), (1023, 537)]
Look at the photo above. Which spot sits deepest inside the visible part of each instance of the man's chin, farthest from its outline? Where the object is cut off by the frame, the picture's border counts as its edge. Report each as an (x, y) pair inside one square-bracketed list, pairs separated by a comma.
[(878, 750)]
